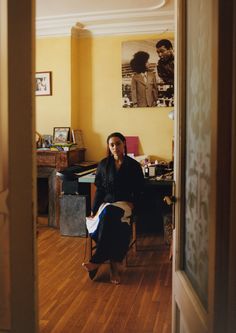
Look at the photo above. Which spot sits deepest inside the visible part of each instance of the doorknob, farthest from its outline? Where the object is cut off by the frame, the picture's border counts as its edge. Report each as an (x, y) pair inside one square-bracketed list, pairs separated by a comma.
[(169, 200)]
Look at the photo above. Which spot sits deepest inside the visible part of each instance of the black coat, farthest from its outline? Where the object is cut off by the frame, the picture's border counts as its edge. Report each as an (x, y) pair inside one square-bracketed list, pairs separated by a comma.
[(125, 184)]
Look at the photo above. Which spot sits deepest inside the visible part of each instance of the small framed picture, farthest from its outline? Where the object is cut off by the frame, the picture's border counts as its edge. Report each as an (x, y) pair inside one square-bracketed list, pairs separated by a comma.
[(61, 134), (77, 137), (43, 83)]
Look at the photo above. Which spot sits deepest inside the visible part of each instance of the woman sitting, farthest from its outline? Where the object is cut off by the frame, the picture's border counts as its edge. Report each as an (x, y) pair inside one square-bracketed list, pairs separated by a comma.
[(119, 181)]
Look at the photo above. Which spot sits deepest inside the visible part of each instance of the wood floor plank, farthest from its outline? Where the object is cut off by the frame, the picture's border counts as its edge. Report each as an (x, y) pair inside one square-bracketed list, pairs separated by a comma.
[(71, 303)]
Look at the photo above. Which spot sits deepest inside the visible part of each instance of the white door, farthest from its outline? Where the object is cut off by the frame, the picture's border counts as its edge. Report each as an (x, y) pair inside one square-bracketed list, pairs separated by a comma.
[(18, 283), (190, 271), (203, 268)]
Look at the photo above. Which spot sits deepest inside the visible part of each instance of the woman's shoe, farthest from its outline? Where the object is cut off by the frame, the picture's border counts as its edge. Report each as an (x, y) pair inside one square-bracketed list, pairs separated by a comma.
[(91, 268)]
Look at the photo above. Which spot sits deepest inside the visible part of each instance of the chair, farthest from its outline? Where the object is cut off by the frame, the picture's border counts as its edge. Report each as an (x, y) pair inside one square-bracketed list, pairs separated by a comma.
[(133, 241)]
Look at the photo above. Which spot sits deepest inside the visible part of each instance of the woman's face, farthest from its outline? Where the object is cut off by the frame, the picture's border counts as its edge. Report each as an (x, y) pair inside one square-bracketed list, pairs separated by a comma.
[(116, 146)]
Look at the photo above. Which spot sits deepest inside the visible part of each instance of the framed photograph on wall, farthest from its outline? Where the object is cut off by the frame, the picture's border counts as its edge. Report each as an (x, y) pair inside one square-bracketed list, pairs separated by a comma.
[(61, 134), (43, 83), (148, 73)]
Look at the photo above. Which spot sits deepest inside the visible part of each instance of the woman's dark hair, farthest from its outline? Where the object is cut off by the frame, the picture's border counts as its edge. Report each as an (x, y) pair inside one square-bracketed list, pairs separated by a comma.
[(164, 42), (110, 172), (118, 135), (138, 63)]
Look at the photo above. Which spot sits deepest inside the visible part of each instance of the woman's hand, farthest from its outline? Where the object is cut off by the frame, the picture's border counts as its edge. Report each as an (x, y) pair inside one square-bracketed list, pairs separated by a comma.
[(131, 205)]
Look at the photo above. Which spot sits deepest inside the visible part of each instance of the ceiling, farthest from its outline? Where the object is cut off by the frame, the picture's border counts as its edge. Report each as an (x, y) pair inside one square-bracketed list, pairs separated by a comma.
[(103, 17)]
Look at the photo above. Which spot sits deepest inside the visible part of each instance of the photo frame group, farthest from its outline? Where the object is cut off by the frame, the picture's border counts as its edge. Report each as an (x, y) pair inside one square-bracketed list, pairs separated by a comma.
[(148, 73), (43, 83)]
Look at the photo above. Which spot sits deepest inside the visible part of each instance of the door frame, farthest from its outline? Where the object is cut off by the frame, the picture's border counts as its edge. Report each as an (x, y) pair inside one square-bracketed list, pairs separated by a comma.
[(222, 292), (17, 82)]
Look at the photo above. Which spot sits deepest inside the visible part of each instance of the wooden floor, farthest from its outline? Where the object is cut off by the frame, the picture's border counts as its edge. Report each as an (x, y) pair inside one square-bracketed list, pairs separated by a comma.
[(71, 303)]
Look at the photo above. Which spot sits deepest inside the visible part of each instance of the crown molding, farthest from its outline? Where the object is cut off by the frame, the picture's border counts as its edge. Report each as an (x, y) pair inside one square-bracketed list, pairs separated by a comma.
[(121, 28), (116, 22)]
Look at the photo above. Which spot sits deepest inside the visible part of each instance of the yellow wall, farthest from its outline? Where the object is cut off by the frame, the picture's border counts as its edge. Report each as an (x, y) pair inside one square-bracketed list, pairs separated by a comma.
[(96, 96), (54, 54)]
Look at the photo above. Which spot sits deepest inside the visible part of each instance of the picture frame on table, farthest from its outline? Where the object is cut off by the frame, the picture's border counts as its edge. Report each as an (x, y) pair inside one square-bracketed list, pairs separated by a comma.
[(43, 83), (77, 137), (61, 134)]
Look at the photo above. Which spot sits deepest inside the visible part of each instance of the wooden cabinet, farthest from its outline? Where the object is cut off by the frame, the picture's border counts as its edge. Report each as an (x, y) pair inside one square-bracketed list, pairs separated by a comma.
[(49, 163), (60, 160)]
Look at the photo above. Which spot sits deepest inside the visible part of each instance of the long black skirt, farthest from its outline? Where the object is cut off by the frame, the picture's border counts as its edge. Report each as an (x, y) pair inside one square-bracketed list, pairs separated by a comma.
[(112, 236)]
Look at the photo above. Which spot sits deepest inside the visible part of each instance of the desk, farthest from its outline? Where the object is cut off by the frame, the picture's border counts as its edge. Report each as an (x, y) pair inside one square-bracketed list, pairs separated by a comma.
[(152, 205), (49, 163)]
